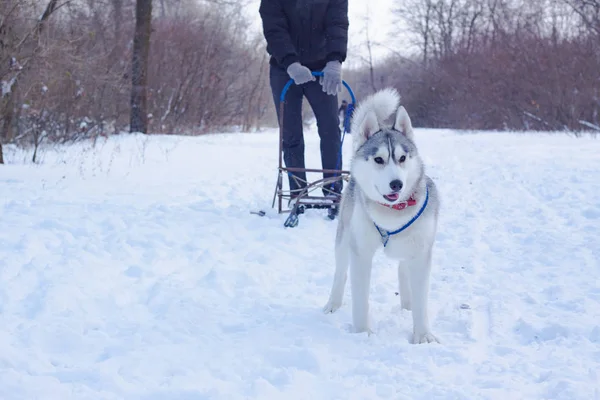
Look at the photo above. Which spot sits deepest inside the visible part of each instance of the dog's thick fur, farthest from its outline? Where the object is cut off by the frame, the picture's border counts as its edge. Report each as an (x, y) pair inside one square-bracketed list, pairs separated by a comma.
[(385, 153)]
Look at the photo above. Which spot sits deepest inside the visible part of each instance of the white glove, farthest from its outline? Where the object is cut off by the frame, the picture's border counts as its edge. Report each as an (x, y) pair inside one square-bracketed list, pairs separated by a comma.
[(299, 73), (332, 78)]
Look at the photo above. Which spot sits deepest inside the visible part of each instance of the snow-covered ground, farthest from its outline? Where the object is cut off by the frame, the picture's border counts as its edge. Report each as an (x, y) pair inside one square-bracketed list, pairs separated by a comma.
[(134, 270)]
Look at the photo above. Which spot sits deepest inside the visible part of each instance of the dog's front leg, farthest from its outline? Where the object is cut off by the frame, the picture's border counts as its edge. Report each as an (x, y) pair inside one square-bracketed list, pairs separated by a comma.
[(404, 286), (360, 280), (419, 271), (342, 253)]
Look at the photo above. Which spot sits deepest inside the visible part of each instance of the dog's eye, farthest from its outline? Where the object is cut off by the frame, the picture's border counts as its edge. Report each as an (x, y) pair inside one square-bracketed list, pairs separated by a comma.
[(402, 159), (378, 160)]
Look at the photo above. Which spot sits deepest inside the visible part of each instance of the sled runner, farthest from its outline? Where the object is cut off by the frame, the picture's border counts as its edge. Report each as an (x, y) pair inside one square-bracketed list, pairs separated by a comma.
[(308, 196)]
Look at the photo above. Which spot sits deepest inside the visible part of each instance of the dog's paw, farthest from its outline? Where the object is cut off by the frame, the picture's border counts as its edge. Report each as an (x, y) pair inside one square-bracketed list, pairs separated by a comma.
[(331, 306), (361, 329), (427, 337)]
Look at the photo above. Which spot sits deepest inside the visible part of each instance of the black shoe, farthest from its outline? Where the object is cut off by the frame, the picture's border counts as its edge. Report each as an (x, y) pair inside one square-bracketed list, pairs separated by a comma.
[(333, 210), (292, 219), (299, 208)]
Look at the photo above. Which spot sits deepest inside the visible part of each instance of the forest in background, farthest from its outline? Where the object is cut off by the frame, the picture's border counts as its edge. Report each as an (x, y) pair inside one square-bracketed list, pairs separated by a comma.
[(65, 67), (493, 64)]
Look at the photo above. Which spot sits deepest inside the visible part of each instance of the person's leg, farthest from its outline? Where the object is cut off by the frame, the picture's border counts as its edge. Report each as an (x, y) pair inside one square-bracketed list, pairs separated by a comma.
[(325, 108), (293, 138)]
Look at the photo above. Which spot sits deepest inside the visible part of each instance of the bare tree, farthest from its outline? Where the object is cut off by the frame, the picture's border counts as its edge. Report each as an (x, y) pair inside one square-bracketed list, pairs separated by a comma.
[(417, 16), (369, 44), (207, 71), (501, 64), (588, 11), (139, 66), (18, 52)]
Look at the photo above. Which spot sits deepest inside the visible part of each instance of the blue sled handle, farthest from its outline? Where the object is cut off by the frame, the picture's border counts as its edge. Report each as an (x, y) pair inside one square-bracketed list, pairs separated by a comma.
[(315, 73)]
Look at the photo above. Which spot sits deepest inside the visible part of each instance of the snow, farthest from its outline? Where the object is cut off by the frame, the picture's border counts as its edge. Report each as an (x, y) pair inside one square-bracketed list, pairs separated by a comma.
[(133, 269), (7, 86)]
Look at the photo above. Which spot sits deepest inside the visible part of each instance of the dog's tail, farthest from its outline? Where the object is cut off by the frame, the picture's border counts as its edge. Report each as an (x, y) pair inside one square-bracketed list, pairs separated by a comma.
[(383, 104)]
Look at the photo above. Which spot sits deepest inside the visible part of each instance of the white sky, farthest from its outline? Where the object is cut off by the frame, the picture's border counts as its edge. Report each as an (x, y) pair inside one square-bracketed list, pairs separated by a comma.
[(381, 25)]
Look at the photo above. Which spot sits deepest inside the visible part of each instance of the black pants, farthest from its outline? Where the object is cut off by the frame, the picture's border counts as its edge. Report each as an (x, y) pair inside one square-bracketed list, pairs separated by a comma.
[(325, 108)]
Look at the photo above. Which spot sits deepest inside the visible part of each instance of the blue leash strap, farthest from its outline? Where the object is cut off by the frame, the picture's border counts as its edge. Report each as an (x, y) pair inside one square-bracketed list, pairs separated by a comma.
[(316, 73), (385, 235), (348, 115), (349, 112)]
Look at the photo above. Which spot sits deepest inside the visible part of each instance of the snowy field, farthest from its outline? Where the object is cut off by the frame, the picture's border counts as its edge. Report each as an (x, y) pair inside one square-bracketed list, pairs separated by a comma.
[(134, 270)]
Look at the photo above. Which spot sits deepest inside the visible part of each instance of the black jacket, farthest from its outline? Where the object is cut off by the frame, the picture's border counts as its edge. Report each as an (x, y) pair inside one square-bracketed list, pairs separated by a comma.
[(311, 32)]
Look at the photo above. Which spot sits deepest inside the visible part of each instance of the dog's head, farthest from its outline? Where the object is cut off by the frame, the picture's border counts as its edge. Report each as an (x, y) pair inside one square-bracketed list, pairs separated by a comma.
[(386, 165)]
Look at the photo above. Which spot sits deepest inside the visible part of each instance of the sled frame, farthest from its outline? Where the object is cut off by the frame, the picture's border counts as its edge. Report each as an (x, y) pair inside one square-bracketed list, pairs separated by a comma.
[(305, 197)]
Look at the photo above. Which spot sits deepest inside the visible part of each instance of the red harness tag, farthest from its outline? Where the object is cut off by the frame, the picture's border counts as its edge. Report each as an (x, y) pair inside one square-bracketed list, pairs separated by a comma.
[(401, 206)]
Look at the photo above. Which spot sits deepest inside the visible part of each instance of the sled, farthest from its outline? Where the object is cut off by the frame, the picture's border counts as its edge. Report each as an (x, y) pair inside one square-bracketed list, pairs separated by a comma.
[(308, 198)]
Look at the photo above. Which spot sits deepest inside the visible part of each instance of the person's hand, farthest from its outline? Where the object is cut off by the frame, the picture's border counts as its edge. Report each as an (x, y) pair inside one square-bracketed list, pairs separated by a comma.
[(332, 78), (299, 73)]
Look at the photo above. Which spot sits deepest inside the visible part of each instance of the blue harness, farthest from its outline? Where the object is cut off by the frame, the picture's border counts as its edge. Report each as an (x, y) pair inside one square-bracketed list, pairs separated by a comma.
[(385, 235)]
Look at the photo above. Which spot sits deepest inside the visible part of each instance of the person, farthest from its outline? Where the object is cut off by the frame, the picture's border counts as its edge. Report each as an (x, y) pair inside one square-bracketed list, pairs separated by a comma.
[(304, 36)]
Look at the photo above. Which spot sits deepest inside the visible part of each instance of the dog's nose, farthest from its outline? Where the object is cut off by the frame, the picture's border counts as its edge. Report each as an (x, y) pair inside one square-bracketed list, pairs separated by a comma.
[(396, 185)]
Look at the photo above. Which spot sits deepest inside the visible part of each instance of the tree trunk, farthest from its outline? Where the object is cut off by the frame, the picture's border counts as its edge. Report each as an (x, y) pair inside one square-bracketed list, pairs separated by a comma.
[(139, 67), (8, 99), (371, 70)]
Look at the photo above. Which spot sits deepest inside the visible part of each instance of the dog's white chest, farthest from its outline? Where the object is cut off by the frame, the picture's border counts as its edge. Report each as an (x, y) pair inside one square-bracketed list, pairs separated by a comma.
[(404, 246)]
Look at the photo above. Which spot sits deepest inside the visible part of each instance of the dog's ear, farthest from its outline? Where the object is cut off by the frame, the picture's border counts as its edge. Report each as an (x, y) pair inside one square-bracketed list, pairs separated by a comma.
[(370, 125), (403, 123)]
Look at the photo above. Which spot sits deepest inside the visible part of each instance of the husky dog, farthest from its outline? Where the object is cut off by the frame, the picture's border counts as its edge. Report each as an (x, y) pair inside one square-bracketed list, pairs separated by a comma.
[(389, 201)]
